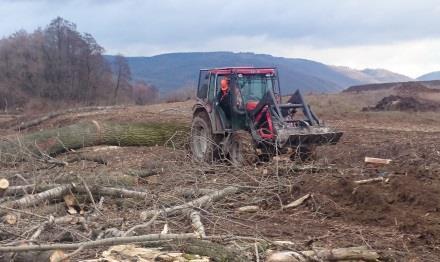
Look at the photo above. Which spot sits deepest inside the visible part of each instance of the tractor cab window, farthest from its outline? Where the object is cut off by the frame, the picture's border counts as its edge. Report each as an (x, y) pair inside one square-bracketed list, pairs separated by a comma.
[(202, 90), (255, 87)]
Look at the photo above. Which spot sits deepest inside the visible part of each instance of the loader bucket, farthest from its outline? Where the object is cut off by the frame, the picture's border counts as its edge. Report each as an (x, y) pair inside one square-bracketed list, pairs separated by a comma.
[(330, 138), (292, 137)]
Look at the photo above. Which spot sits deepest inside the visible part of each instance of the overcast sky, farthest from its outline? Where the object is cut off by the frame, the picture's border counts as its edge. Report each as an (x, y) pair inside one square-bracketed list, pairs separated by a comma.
[(399, 35)]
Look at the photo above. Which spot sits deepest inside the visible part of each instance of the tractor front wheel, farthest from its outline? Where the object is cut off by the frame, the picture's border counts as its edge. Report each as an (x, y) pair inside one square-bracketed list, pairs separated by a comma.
[(202, 142), (241, 149)]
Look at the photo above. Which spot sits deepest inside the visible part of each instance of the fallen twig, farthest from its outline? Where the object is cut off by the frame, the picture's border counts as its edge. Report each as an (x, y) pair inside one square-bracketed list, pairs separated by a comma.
[(371, 180), (374, 160)]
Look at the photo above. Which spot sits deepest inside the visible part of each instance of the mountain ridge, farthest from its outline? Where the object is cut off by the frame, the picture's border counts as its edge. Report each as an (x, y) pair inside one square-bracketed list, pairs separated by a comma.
[(172, 71), (435, 75)]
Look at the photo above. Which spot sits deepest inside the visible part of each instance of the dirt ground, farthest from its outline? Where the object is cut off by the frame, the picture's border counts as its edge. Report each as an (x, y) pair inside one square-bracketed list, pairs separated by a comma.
[(399, 217)]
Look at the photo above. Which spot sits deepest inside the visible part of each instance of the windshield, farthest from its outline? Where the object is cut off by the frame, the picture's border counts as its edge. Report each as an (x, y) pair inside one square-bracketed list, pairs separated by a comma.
[(254, 87)]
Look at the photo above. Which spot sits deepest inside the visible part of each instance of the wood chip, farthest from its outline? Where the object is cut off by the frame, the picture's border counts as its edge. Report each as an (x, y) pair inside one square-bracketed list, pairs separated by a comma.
[(298, 202), (373, 160), (248, 209)]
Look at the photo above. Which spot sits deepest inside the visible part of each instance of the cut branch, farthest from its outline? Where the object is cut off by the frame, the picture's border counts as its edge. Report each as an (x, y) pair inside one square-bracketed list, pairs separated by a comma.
[(196, 203), (99, 243)]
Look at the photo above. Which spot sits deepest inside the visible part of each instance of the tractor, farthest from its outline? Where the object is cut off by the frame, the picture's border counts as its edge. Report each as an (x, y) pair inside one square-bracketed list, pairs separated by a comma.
[(239, 116)]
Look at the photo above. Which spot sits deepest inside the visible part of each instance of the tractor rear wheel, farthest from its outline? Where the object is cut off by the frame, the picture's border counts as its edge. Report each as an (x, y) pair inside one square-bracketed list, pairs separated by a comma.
[(241, 149), (202, 142)]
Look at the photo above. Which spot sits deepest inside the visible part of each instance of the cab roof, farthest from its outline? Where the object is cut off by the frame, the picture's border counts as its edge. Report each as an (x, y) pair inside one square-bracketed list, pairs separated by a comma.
[(242, 70)]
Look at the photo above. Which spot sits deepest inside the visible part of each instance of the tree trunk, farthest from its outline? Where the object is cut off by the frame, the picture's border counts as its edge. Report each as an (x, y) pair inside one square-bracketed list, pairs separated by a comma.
[(55, 141)]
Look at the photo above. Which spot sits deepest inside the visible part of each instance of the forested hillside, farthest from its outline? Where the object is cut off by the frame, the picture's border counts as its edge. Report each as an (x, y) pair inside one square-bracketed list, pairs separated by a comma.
[(58, 65)]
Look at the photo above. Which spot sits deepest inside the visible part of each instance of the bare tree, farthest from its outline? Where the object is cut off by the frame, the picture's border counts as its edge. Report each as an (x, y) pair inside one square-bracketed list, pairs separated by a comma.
[(56, 63), (144, 93), (123, 75)]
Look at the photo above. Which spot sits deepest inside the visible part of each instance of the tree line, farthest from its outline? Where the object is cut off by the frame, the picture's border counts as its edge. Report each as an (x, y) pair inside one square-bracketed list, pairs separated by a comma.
[(58, 64)]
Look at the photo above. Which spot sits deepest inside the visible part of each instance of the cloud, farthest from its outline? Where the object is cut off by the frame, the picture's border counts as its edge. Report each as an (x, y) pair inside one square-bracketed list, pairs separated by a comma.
[(368, 33)]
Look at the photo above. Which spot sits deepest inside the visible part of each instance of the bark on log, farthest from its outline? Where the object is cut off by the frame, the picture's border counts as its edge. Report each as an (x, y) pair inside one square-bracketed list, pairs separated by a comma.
[(117, 192), (31, 200), (54, 141)]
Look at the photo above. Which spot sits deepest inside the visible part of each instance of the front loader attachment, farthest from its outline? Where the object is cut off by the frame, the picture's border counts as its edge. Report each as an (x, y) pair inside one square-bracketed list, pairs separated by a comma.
[(292, 137)]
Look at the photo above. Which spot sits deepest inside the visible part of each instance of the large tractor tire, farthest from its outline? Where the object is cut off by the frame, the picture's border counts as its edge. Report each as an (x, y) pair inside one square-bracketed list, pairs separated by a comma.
[(202, 139), (242, 149)]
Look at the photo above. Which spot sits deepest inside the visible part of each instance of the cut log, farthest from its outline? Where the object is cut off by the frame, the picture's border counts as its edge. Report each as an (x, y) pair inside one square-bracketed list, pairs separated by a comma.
[(196, 222), (297, 202), (116, 192), (55, 141), (248, 209), (337, 254), (196, 203), (4, 184), (31, 200), (26, 189), (380, 161)]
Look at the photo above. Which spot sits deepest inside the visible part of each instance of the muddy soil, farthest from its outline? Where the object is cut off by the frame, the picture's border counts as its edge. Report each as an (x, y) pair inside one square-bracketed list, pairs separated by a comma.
[(404, 103)]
